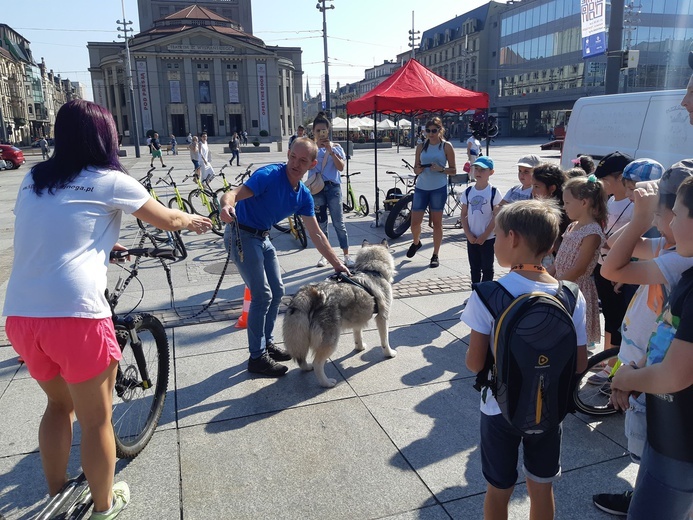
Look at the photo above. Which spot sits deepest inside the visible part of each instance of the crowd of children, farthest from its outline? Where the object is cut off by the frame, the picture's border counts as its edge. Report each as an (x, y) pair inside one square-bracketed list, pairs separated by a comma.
[(622, 230)]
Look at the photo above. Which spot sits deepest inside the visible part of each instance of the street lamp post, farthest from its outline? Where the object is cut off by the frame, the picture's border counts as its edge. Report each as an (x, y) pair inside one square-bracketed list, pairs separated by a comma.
[(320, 6), (133, 111)]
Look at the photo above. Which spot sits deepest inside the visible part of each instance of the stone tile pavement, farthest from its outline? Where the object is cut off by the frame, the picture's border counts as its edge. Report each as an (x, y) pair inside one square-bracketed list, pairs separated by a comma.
[(396, 438)]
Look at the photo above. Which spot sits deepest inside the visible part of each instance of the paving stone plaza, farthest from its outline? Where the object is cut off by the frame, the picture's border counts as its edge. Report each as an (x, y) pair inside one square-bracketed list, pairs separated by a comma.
[(395, 438)]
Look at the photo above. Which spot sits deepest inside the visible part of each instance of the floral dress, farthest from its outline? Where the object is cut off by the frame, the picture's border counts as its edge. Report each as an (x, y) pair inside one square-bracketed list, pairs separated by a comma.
[(565, 259)]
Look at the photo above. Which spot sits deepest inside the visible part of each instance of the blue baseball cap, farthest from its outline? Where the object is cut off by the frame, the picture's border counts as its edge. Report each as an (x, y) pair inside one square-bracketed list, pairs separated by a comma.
[(484, 162), (643, 170)]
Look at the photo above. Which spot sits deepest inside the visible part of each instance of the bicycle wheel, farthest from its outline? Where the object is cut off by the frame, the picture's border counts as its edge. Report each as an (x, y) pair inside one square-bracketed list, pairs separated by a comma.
[(363, 206), (140, 388), (195, 200), (218, 193), (399, 219), (300, 231), (348, 204), (594, 399), (186, 207), (217, 223)]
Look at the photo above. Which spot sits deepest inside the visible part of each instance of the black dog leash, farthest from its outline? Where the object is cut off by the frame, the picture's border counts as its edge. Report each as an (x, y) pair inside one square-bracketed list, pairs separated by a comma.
[(341, 277)]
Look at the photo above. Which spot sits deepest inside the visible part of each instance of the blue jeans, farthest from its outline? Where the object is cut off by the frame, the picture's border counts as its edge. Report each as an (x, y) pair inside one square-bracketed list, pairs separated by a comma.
[(260, 272), (330, 198), (663, 489), (235, 154)]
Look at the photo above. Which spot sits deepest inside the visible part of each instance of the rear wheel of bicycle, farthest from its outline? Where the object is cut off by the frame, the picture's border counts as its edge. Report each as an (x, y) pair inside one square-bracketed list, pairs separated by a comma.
[(173, 204), (363, 206), (593, 399), (348, 204), (195, 200), (217, 223), (138, 403), (399, 219), (300, 231)]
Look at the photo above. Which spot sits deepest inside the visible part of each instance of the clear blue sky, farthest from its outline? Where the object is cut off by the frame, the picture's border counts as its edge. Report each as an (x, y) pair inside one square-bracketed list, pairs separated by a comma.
[(361, 33)]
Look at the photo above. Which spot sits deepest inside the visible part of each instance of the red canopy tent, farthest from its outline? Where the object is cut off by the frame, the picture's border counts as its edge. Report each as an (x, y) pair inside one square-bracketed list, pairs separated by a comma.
[(414, 90)]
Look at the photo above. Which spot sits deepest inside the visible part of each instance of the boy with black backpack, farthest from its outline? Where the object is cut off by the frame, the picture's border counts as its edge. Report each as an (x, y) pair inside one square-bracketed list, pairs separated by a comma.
[(527, 342)]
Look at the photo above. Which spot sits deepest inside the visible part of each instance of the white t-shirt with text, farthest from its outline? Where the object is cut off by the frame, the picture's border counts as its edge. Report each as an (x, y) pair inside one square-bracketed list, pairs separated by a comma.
[(62, 244)]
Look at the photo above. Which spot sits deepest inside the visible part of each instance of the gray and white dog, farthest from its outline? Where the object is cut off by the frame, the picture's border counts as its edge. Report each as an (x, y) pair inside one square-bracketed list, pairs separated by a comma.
[(320, 311)]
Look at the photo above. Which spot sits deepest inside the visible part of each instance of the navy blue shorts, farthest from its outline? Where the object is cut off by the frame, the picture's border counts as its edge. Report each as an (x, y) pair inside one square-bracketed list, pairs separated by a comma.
[(434, 200), (499, 453)]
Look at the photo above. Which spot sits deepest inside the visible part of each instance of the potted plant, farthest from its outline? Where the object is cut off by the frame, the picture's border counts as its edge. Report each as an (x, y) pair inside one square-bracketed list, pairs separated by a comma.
[(264, 133), (256, 142)]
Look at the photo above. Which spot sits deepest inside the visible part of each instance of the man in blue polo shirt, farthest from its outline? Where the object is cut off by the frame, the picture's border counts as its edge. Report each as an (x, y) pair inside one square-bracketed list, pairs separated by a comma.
[(270, 194)]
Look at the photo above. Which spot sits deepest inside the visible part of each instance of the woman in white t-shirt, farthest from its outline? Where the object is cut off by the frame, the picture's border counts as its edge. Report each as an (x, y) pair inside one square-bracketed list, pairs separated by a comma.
[(58, 319)]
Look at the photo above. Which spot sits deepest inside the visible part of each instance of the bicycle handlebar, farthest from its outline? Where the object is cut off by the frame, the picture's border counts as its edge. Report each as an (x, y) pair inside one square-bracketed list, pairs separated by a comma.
[(407, 164)]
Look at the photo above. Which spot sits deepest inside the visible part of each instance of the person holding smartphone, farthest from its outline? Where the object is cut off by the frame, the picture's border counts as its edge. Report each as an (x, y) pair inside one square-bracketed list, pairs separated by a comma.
[(331, 160), (435, 160)]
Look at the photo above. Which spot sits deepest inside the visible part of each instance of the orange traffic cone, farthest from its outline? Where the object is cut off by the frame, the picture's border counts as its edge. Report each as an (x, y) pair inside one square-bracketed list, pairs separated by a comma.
[(242, 322)]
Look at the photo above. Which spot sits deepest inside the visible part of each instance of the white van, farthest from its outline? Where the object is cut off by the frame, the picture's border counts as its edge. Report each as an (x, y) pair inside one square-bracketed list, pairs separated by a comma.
[(641, 124)]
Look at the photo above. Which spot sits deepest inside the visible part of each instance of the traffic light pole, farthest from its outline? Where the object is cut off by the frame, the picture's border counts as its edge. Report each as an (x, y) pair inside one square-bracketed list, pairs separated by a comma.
[(615, 51)]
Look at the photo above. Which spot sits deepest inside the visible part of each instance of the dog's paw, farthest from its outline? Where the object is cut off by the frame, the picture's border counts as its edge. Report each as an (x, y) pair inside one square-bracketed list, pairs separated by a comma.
[(328, 382), (360, 347), (389, 352)]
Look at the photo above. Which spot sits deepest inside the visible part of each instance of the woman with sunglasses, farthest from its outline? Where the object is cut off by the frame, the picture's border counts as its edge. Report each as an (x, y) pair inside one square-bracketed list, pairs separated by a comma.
[(435, 160)]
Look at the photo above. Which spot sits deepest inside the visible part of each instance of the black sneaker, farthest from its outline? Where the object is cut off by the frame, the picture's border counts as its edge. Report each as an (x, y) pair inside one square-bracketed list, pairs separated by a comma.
[(277, 353), (266, 366), (612, 503), (413, 248), (434, 261)]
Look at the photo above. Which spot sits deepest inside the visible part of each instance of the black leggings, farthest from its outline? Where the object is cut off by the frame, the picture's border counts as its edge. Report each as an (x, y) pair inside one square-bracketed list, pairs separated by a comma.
[(614, 305)]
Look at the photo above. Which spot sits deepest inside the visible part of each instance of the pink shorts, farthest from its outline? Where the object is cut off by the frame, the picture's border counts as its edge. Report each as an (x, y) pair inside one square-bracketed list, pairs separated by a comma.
[(78, 349)]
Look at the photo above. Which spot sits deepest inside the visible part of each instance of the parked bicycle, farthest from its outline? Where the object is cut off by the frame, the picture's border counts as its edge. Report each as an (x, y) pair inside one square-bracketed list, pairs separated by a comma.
[(170, 239), (399, 218), (177, 201), (349, 204), (240, 179), (203, 201), (140, 386), (296, 228), (455, 183)]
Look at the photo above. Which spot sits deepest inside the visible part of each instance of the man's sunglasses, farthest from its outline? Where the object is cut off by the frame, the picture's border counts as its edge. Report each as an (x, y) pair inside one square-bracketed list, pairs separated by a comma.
[(431, 130)]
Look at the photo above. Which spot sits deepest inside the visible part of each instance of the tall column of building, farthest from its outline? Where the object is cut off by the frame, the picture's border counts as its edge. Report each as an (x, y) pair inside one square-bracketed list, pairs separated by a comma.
[(193, 120), (218, 97)]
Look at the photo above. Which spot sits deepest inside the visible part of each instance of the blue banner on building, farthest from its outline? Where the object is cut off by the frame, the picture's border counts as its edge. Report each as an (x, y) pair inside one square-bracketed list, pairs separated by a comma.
[(593, 23)]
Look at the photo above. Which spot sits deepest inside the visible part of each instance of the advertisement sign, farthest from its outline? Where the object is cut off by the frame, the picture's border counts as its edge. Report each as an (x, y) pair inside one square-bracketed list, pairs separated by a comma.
[(143, 87), (593, 22), (100, 93), (205, 92), (262, 95), (233, 92)]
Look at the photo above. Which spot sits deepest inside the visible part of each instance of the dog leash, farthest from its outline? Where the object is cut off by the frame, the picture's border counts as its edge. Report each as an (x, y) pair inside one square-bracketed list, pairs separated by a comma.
[(341, 277)]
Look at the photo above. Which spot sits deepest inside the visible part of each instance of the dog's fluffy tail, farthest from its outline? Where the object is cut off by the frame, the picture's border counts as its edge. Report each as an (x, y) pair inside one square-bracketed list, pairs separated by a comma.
[(299, 334)]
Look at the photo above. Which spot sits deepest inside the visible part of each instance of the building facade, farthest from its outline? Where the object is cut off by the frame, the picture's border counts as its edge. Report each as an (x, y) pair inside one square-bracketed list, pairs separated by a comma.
[(541, 71), (30, 95), (195, 70)]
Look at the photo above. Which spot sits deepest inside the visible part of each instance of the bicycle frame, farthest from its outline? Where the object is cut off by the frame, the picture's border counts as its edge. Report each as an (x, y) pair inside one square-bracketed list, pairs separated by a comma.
[(171, 183)]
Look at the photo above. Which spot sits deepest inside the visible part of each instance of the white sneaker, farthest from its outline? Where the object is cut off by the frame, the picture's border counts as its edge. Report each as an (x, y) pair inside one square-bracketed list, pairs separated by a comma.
[(322, 262), (348, 261)]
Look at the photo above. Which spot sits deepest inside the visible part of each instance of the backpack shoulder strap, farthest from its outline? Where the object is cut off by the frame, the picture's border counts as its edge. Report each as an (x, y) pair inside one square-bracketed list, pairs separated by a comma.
[(494, 296), (467, 192), (567, 294), (494, 190)]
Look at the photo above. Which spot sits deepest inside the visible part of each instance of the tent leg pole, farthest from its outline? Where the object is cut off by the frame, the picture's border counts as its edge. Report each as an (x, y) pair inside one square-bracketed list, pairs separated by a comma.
[(377, 193)]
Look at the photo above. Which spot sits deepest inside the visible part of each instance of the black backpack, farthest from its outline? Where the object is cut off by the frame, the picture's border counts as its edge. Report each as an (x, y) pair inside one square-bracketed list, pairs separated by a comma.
[(533, 357)]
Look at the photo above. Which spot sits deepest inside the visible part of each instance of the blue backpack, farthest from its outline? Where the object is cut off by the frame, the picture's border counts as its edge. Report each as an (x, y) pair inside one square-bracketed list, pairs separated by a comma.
[(533, 356)]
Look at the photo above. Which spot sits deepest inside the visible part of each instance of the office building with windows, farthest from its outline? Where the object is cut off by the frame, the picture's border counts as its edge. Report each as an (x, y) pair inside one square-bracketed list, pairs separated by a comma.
[(195, 70), (541, 71)]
